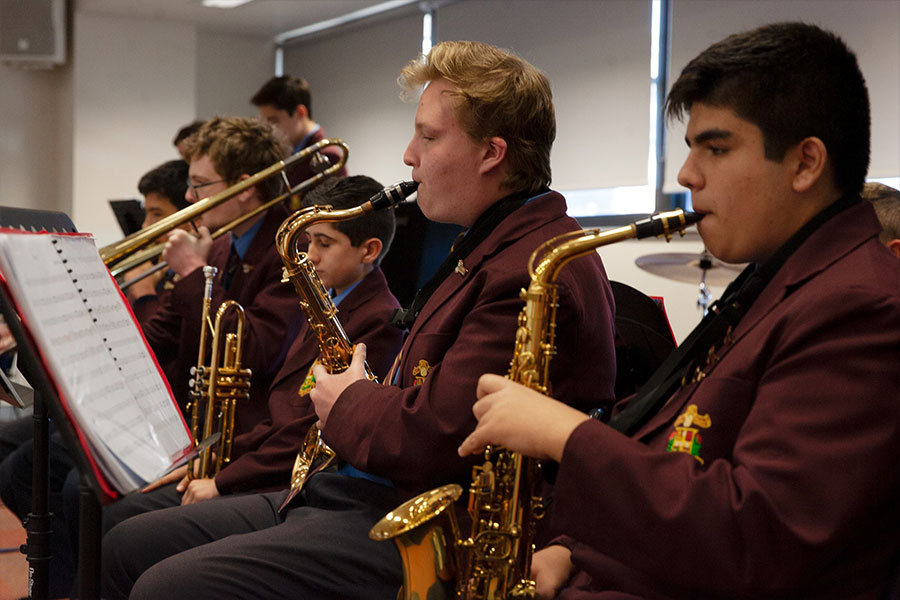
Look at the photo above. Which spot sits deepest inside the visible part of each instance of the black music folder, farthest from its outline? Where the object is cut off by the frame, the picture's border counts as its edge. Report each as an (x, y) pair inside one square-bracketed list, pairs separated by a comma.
[(129, 213)]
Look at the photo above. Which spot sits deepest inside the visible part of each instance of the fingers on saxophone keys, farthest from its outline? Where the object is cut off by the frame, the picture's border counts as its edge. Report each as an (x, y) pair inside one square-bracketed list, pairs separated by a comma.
[(470, 445)]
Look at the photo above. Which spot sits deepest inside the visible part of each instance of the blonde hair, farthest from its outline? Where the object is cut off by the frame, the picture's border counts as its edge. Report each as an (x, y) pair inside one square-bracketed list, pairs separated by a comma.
[(499, 94), (240, 146)]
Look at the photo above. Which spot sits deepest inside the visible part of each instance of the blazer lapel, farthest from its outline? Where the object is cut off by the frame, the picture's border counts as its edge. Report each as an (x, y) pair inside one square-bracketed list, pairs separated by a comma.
[(517, 225)]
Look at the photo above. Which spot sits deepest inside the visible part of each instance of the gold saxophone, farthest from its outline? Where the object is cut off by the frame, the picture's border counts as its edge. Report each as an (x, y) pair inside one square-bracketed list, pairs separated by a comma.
[(216, 388), (335, 348), (494, 562)]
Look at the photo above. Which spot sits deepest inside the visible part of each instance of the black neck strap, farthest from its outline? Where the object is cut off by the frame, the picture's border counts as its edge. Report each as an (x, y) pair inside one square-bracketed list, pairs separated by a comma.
[(723, 314), (480, 230)]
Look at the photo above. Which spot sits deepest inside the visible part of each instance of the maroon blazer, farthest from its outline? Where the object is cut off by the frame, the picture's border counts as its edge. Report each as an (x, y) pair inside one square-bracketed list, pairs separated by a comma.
[(265, 455), (785, 482), (272, 314), (409, 432), (146, 306)]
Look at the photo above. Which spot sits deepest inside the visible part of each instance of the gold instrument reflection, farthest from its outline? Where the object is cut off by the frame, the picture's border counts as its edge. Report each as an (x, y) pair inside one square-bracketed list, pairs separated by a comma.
[(216, 388)]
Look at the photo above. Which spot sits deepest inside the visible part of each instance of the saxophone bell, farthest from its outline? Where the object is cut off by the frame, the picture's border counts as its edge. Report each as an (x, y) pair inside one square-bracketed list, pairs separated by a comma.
[(424, 529)]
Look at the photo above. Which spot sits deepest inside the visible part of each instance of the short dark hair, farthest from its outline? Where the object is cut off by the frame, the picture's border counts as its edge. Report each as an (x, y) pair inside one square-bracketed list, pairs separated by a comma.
[(792, 80), (187, 131), (347, 192), (286, 93), (168, 180)]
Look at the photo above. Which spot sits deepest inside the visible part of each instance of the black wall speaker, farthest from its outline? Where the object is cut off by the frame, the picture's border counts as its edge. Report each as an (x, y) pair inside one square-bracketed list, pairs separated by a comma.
[(33, 33)]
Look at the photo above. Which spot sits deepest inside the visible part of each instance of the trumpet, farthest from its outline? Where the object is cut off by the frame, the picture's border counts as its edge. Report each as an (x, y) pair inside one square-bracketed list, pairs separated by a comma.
[(139, 248), (494, 561), (217, 386)]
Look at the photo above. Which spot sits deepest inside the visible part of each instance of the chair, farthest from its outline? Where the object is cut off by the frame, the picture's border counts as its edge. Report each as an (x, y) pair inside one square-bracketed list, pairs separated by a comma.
[(643, 338)]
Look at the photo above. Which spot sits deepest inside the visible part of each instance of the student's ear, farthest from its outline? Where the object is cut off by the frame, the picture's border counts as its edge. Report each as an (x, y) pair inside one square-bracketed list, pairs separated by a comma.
[(894, 246), (811, 158), (300, 112), (247, 194), (494, 153), (371, 250)]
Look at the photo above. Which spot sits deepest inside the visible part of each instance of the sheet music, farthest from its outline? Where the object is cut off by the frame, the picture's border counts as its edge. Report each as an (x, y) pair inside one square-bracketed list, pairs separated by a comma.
[(98, 358)]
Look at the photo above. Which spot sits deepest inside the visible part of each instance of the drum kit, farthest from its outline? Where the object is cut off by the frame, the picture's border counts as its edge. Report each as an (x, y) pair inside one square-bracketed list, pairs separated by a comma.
[(688, 267)]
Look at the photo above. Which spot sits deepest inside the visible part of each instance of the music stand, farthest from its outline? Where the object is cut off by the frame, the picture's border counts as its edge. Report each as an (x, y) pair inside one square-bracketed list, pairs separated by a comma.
[(46, 404)]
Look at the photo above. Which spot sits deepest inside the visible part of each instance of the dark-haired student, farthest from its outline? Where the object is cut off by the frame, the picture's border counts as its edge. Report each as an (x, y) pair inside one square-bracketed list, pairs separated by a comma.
[(479, 164), (285, 101), (163, 189), (761, 460), (183, 134)]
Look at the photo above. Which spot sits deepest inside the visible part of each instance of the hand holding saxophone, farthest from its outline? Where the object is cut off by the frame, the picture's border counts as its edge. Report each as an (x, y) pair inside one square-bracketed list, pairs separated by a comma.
[(330, 386), (520, 419), (185, 252), (551, 569)]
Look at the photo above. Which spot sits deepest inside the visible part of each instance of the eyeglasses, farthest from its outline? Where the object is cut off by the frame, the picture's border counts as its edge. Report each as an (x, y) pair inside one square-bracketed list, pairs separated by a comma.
[(194, 187)]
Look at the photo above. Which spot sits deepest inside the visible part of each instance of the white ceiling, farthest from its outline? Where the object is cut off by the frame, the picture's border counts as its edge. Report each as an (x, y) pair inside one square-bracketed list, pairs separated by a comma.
[(258, 17)]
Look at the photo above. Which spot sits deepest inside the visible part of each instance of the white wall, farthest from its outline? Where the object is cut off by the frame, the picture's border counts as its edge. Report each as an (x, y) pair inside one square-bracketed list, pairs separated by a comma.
[(134, 86), (34, 142), (230, 69), (137, 82), (597, 57)]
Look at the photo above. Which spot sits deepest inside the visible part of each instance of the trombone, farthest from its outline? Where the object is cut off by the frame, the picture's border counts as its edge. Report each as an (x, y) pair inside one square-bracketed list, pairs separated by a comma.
[(138, 247)]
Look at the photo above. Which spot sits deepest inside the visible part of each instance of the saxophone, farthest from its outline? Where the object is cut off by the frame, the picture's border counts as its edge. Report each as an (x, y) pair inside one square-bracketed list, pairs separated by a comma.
[(215, 389), (494, 562), (335, 348)]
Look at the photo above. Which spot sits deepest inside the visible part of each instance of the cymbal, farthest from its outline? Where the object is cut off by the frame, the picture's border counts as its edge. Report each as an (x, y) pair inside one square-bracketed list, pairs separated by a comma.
[(686, 267)]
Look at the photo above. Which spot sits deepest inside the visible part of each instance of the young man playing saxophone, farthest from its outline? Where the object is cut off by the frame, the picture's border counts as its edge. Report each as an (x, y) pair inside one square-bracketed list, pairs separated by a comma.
[(769, 468), (480, 152)]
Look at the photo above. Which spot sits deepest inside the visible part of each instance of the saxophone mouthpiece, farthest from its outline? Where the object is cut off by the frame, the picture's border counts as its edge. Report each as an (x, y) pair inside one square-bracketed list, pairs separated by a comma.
[(691, 217), (393, 195), (666, 223)]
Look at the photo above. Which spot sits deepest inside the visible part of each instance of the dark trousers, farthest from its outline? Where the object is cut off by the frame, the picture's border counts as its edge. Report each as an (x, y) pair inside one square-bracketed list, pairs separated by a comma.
[(138, 503), (15, 491), (242, 547)]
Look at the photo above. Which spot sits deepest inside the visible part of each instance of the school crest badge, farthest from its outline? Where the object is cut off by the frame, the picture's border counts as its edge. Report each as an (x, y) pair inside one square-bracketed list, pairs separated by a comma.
[(686, 437), (420, 372), (310, 381)]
